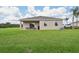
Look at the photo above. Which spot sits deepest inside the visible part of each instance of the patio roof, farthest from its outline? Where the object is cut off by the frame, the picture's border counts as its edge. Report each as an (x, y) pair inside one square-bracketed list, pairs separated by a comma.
[(40, 18)]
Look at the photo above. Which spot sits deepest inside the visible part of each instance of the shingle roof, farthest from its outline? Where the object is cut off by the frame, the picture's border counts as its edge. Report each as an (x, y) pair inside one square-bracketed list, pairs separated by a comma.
[(40, 18)]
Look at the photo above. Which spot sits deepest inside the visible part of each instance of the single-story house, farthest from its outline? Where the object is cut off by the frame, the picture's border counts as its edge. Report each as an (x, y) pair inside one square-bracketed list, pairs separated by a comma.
[(41, 23), (75, 24)]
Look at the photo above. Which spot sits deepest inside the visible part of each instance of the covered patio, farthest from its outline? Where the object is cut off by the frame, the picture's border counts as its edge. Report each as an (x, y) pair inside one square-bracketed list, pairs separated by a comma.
[(30, 25)]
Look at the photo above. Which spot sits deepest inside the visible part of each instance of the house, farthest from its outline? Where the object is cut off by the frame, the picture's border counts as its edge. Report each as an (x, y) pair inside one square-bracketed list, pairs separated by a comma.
[(75, 24), (41, 23)]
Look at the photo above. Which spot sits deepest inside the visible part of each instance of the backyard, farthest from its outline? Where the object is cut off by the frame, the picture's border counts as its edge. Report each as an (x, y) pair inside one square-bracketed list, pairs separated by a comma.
[(14, 40)]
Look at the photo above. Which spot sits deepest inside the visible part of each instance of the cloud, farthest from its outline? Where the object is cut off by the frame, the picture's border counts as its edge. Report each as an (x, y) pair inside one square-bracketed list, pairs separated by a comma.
[(47, 11), (12, 19), (27, 15), (5, 11), (10, 14), (13, 14), (32, 11)]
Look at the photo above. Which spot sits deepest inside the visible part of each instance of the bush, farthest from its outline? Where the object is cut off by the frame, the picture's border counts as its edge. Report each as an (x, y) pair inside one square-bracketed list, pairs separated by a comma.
[(68, 27)]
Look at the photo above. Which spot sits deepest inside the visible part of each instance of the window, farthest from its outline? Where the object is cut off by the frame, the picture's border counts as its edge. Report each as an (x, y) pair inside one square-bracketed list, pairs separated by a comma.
[(56, 24), (45, 24)]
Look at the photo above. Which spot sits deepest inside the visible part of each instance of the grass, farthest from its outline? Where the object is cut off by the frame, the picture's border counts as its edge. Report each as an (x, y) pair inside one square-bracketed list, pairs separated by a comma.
[(14, 40)]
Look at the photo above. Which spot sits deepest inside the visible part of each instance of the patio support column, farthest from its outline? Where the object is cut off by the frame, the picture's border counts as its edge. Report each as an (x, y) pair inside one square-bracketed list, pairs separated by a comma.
[(39, 25), (20, 24)]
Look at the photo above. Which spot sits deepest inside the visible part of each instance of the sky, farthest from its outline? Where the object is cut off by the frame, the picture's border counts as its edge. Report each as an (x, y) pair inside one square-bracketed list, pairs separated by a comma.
[(12, 14)]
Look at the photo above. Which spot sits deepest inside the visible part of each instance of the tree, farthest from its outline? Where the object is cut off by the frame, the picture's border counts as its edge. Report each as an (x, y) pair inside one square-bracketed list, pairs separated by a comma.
[(75, 14), (7, 22)]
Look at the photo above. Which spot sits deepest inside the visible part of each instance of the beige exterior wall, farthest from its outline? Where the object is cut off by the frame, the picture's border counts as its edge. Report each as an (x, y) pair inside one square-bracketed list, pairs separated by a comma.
[(51, 25), (25, 25), (36, 25)]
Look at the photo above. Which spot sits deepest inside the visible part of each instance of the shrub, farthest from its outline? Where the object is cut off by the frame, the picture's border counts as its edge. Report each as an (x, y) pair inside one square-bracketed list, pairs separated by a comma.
[(68, 27)]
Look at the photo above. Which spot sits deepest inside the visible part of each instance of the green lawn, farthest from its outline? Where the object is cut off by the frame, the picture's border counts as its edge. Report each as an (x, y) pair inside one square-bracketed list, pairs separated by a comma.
[(17, 40)]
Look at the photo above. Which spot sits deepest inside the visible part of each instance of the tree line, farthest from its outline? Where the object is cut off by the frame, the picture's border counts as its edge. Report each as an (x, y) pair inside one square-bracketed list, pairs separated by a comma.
[(8, 25)]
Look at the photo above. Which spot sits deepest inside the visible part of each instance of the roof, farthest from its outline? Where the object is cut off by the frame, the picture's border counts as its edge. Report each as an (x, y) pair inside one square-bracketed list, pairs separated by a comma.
[(40, 18)]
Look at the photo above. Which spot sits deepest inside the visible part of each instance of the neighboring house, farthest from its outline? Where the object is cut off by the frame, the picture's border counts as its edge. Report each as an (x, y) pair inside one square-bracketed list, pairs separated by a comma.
[(41, 23), (75, 24)]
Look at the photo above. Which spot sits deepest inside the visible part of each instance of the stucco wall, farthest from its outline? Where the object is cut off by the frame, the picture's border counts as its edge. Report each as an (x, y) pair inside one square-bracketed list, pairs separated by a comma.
[(25, 25), (50, 25)]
